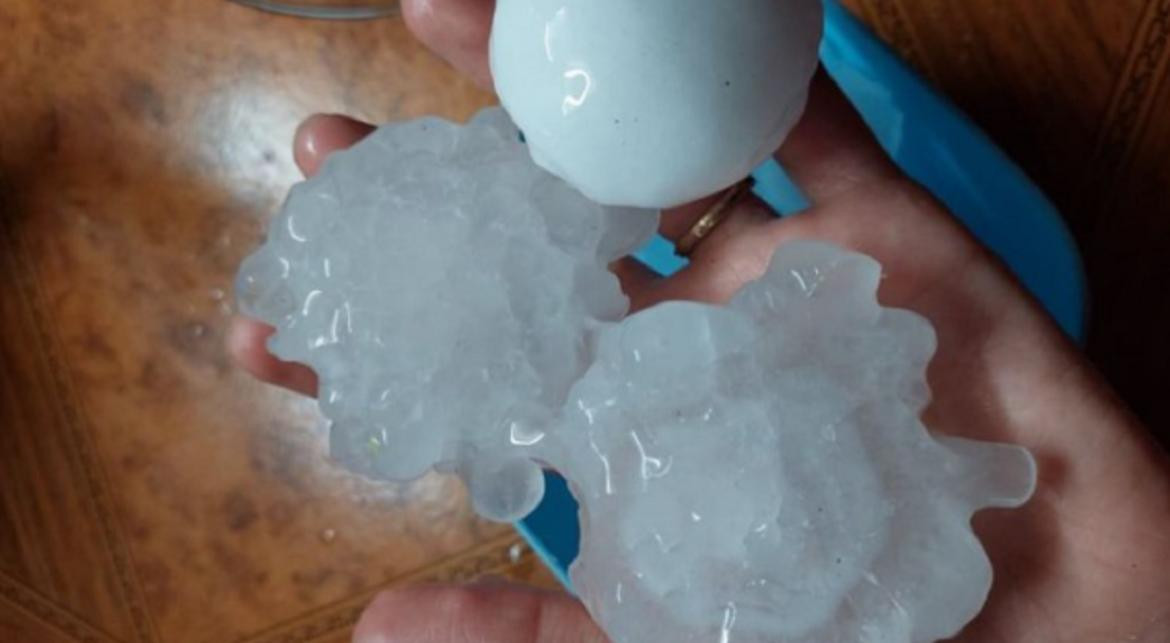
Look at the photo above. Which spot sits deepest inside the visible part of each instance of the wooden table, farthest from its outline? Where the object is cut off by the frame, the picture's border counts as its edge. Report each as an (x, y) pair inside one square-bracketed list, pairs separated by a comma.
[(149, 491)]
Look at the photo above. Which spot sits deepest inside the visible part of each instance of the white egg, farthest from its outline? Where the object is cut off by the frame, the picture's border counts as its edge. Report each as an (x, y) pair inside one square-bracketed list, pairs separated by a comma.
[(654, 103)]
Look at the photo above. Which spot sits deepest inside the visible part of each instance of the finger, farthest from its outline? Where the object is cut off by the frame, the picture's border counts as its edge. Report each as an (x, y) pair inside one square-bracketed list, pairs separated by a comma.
[(456, 30), (831, 150), (322, 134), (488, 613), (636, 279), (676, 222), (717, 266), (735, 252), (246, 343)]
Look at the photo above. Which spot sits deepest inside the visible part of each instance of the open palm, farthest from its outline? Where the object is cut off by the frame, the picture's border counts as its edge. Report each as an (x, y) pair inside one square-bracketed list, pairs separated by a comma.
[(1083, 561)]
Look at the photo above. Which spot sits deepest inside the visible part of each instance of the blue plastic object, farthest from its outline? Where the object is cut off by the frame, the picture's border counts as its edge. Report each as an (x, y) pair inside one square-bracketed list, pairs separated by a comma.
[(936, 145)]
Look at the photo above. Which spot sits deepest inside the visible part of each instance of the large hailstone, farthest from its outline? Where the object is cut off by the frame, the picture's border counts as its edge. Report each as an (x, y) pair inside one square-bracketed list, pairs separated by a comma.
[(654, 103), (445, 291), (759, 472)]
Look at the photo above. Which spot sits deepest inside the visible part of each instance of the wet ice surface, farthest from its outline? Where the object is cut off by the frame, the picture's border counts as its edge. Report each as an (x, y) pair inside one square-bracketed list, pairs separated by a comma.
[(753, 472), (445, 290), (758, 472)]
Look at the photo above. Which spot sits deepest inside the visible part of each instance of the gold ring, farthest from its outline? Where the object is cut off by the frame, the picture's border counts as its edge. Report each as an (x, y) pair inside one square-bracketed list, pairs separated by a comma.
[(712, 217)]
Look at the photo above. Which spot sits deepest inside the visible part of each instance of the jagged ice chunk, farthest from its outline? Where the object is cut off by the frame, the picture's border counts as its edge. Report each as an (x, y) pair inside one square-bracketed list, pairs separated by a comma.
[(444, 289)]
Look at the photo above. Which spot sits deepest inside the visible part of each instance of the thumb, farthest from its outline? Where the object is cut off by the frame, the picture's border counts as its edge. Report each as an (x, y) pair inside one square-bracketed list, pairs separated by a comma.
[(486, 613)]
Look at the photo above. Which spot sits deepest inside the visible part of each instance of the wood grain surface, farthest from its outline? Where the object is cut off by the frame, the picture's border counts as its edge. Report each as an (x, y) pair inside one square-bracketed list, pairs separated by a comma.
[(151, 492)]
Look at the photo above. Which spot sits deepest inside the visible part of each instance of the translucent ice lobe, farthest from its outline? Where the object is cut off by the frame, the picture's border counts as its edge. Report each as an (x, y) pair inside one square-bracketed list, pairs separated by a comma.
[(505, 490), (443, 288), (765, 475), (990, 475)]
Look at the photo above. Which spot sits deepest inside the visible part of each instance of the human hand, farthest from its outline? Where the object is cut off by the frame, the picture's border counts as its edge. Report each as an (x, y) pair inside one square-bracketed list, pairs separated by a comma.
[(1083, 561)]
